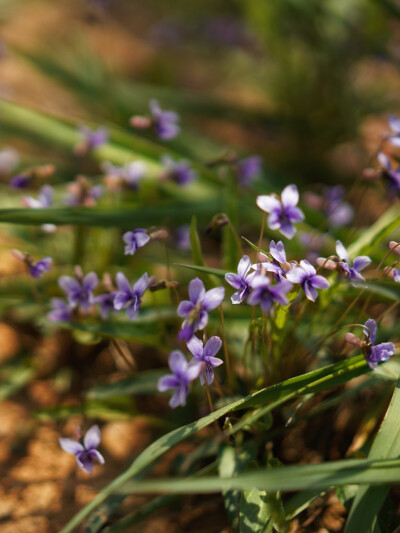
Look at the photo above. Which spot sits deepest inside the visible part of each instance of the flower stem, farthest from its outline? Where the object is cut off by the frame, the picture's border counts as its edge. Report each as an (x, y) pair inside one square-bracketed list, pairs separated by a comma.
[(227, 359)]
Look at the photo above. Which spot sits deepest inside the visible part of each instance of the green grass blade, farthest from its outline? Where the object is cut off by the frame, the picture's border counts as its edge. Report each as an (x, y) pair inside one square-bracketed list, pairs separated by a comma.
[(204, 269), (142, 383)]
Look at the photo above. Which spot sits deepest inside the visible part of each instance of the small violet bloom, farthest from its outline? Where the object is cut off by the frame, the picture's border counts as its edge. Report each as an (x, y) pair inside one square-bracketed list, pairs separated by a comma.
[(37, 270), (61, 311), (307, 277), (282, 213), (85, 453), (134, 240), (351, 272), (373, 354), (206, 354), (129, 174), (182, 374), (265, 294), (390, 174), (182, 238), (44, 199), (248, 169), (241, 280), (394, 124), (91, 139), (278, 253), (164, 122), (130, 297), (106, 302), (178, 171), (79, 292), (196, 309), (396, 275)]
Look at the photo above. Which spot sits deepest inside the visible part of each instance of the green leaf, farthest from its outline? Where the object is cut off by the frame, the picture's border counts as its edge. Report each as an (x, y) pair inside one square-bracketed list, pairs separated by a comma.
[(204, 269), (142, 383), (227, 468), (254, 512), (314, 381), (369, 500), (118, 409), (197, 254), (371, 236)]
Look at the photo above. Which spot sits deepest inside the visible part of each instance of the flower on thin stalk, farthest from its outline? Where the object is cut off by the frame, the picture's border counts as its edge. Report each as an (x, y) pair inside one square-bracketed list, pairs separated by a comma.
[(32, 177), (164, 123), (373, 353), (351, 272), (79, 292), (206, 354), (396, 275), (134, 240), (282, 212), (182, 374), (128, 175), (178, 171), (36, 270), (130, 297), (265, 294), (241, 280), (307, 277), (278, 253), (390, 174), (196, 309), (85, 453), (332, 204), (61, 311)]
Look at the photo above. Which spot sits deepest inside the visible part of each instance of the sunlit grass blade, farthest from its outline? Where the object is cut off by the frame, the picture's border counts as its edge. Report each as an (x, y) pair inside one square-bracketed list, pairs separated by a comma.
[(204, 269), (141, 383)]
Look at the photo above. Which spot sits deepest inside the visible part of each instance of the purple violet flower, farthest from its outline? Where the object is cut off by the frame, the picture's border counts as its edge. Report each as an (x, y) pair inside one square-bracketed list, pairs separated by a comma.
[(44, 198), (129, 174), (196, 309), (86, 452), (391, 175), (265, 294), (248, 169), (91, 139), (394, 124), (307, 277), (396, 275), (373, 354), (182, 374), (106, 302), (351, 272), (43, 265), (240, 281), (178, 171), (278, 254), (282, 213), (61, 311), (164, 122), (182, 238), (134, 240), (79, 292), (130, 297), (206, 354)]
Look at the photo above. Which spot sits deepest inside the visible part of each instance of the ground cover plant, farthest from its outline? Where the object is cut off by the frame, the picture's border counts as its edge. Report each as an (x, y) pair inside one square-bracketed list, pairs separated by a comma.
[(240, 314)]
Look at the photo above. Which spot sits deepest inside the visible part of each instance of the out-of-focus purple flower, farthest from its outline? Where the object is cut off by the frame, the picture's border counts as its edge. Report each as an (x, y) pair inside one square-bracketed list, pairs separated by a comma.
[(37, 270), (9, 160), (351, 272), (206, 354), (248, 169), (312, 242), (307, 277), (373, 354), (182, 375), (20, 181), (396, 275), (164, 122), (106, 302), (182, 238), (394, 124), (241, 280), (85, 453), (44, 199), (178, 171), (196, 309), (331, 203), (91, 139), (390, 174), (129, 174), (79, 292), (282, 213), (265, 294), (82, 192), (130, 297), (134, 240), (61, 311)]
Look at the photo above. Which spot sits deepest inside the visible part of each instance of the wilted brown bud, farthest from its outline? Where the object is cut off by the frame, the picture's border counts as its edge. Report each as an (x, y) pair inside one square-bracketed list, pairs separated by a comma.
[(158, 285), (329, 264), (140, 123), (395, 247), (218, 221), (17, 254), (159, 234)]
